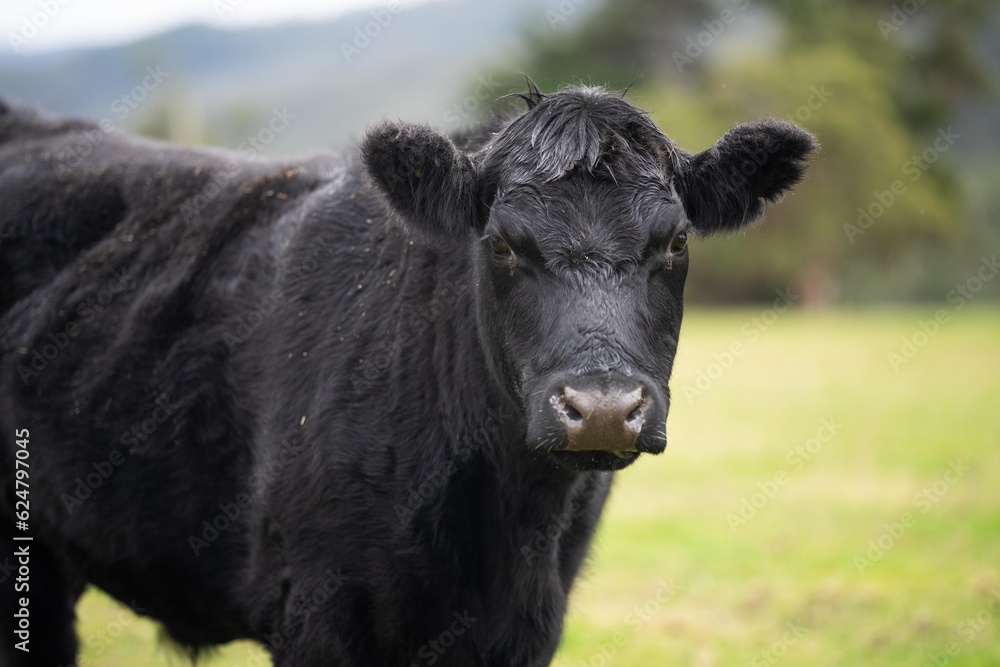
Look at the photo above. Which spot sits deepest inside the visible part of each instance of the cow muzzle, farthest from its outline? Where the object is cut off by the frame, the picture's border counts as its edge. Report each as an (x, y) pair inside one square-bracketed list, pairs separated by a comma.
[(607, 412)]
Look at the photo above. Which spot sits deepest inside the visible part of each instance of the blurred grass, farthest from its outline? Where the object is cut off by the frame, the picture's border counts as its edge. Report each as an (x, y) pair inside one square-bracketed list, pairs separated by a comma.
[(794, 560)]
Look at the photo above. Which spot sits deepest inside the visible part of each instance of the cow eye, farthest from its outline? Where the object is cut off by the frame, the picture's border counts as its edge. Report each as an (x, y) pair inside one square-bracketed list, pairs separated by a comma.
[(666, 255), (499, 246)]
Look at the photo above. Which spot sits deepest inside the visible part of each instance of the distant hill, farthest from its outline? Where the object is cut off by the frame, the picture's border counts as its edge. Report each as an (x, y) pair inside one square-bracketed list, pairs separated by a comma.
[(220, 86)]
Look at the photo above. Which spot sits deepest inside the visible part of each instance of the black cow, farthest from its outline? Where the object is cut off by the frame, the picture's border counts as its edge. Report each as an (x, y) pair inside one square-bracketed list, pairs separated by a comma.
[(333, 405)]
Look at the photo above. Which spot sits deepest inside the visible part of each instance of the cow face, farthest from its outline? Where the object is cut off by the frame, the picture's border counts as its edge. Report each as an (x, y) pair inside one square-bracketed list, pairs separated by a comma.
[(578, 215)]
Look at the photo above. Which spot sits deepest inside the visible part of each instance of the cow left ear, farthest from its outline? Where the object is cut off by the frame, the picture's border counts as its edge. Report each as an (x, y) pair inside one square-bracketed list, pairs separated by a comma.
[(729, 185), (429, 184)]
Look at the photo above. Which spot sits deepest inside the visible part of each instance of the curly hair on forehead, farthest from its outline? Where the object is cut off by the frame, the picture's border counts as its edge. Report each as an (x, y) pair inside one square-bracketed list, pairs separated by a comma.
[(579, 128)]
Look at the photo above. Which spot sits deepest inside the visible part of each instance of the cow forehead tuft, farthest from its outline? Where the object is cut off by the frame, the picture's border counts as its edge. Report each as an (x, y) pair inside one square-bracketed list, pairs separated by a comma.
[(580, 129)]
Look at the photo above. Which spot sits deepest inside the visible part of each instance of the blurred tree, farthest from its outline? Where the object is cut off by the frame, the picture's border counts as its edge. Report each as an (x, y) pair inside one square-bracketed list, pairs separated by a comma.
[(882, 213)]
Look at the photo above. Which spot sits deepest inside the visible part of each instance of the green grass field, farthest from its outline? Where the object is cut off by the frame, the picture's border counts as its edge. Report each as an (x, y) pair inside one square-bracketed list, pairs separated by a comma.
[(815, 506)]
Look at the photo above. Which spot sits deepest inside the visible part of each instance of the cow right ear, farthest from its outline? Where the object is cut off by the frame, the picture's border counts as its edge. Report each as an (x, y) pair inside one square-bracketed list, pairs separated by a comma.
[(430, 186), (728, 186)]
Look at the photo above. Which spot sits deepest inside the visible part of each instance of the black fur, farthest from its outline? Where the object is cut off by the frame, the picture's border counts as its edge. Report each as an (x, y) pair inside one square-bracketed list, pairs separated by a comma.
[(259, 408)]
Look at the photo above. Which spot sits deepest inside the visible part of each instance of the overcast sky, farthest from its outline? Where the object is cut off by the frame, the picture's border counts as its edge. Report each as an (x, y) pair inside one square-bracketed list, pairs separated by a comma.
[(33, 26)]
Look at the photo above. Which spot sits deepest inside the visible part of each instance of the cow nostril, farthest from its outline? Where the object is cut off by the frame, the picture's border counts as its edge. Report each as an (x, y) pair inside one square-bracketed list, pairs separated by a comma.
[(635, 414), (572, 413)]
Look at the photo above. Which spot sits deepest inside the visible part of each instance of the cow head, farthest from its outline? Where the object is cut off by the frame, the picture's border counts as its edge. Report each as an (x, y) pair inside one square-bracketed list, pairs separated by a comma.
[(578, 214)]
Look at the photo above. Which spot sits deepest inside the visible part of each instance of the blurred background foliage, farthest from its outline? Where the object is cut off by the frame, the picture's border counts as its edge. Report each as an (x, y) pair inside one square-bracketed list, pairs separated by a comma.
[(884, 215)]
